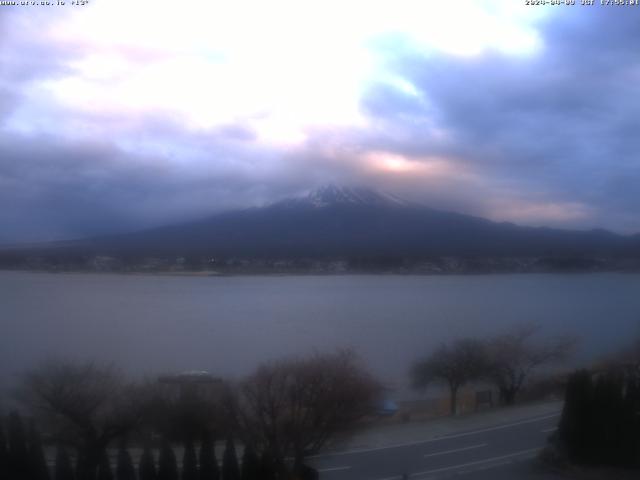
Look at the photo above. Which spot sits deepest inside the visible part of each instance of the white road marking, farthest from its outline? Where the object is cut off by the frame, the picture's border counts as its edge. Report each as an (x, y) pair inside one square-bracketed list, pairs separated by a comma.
[(455, 450), (444, 437), (477, 462), (547, 430), (333, 469), (463, 465)]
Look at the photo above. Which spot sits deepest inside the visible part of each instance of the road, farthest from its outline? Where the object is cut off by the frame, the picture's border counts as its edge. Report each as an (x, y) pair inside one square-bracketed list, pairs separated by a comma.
[(497, 452)]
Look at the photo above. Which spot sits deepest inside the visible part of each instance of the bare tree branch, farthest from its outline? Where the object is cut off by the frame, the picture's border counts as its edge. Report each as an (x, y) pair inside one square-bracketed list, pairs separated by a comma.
[(454, 364), (514, 355), (294, 407)]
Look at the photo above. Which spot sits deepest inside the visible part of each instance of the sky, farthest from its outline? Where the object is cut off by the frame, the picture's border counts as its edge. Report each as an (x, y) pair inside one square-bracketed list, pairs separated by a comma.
[(118, 115)]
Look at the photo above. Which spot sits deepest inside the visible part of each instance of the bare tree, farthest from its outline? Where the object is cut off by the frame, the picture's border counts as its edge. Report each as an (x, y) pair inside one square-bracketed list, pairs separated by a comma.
[(294, 407), (86, 405), (182, 418), (454, 364), (628, 355), (513, 356)]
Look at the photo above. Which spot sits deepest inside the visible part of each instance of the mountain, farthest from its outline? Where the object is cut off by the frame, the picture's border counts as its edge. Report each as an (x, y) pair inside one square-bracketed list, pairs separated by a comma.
[(332, 195), (341, 223)]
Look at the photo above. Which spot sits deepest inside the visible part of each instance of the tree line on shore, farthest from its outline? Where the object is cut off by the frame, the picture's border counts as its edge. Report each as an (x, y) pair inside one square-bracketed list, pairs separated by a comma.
[(283, 412), (600, 422), (22, 457), (506, 361)]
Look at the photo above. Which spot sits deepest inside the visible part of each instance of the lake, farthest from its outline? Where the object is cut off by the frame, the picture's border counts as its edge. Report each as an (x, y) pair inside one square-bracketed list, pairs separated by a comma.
[(227, 325)]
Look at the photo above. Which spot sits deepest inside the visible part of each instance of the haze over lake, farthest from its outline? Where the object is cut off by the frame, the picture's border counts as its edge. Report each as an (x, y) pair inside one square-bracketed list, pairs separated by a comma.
[(227, 325)]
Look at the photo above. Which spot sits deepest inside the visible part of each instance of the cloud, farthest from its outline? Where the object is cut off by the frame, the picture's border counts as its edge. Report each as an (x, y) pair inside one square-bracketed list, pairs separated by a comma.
[(556, 123), (533, 120), (60, 189)]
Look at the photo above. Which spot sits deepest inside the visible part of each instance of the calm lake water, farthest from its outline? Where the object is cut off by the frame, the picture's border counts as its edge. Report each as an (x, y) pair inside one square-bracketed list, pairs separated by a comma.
[(227, 325)]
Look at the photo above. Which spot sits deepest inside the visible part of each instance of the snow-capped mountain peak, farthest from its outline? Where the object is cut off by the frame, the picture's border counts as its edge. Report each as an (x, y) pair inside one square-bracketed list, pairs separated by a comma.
[(335, 195)]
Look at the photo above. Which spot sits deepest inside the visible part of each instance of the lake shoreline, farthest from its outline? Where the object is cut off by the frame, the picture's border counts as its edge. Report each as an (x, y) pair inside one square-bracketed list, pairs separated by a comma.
[(150, 322), (298, 273)]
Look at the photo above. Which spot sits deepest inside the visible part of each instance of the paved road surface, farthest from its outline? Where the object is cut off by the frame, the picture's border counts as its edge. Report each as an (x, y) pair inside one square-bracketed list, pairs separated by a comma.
[(501, 451)]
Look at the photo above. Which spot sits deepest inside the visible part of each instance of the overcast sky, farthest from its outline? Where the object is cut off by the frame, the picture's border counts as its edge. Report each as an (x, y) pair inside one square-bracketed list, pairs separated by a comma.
[(121, 114)]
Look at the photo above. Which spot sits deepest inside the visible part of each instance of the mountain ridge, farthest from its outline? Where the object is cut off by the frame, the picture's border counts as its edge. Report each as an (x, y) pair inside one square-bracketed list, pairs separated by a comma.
[(332, 194), (343, 223)]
